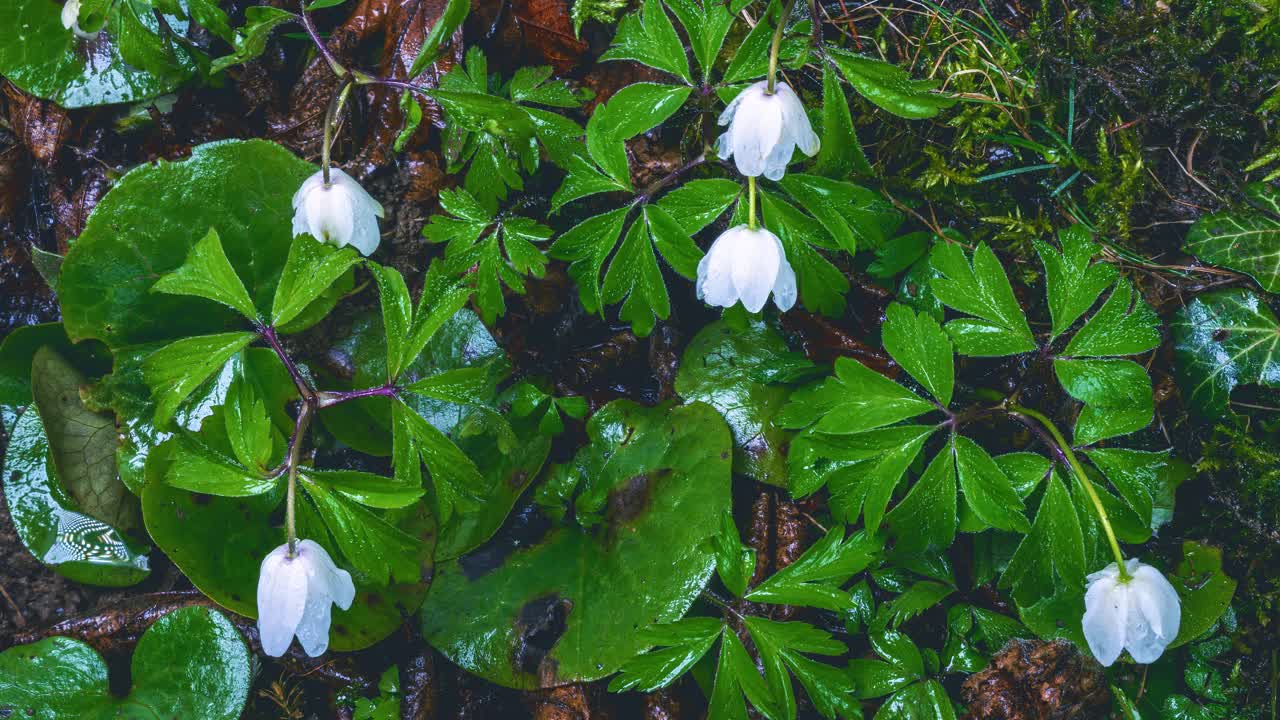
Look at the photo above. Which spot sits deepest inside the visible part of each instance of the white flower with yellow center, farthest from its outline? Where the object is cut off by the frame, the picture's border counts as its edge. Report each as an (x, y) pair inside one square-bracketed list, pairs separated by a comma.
[(1140, 613), (294, 598), (765, 129), (339, 213), (746, 264)]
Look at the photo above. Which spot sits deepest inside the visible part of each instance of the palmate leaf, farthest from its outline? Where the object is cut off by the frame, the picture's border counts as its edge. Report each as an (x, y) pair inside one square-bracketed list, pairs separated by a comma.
[(1222, 340), (821, 285), (855, 399), (980, 289), (1052, 555), (1116, 394), (1244, 239), (781, 645), (648, 37), (677, 646), (707, 23), (1072, 284), (815, 579)]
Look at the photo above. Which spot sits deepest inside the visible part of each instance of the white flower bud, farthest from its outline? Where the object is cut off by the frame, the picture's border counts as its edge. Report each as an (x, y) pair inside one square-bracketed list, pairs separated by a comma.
[(71, 20), (294, 595), (764, 130), (340, 213), (1141, 614), (745, 264)]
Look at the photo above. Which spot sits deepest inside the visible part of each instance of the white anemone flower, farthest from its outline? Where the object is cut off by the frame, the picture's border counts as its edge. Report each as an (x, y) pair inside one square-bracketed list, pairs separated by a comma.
[(746, 264), (1142, 613), (340, 213), (764, 130), (71, 20), (294, 595)]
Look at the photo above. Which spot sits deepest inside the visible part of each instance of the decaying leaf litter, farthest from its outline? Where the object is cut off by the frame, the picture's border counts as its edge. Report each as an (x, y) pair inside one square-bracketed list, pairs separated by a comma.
[(1158, 153)]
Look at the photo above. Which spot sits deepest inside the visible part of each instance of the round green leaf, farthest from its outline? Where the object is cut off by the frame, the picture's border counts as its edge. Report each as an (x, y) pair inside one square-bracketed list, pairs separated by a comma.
[(1221, 340), (559, 597), (145, 226), (185, 525), (50, 524), (45, 59), (192, 663)]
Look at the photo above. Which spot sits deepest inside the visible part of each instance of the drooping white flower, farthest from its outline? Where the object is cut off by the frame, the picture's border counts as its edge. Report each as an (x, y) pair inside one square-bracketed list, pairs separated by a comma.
[(745, 264), (1141, 614), (764, 130), (71, 20), (340, 213), (294, 595)]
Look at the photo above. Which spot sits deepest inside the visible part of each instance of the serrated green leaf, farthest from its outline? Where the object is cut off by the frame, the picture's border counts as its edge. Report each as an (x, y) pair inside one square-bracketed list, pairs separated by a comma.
[(814, 579), (455, 479), (648, 37), (670, 239), (199, 468), (634, 109), (890, 87), (822, 286), (697, 203), (707, 23), (1222, 340), (208, 274), (773, 640), (312, 267), (175, 370), (854, 400), (735, 562), (681, 644), (926, 517), (1124, 325), (1243, 239), (922, 348), (1072, 283), (586, 246), (981, 289), (1136, 474), (375, 491), (455, 11), (840, 154), (987, 490), (1052, 554), (1116, 395), (852, 215), (736, 677), (634, 279), (370, 544)]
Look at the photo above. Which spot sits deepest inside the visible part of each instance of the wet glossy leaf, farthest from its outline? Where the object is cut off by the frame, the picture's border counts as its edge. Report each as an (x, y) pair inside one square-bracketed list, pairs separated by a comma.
[(737, 678), (741, 369), (562, 601), (208, 274), (82, 443), (185, 525), (1117, 328), (1052, 554), (177, 369), (926, 700), (840, 154), (19, 348), (981, 289), (310, 270), (1116, 395), (821, 285), (677, 646), (147, 223), (987, 490), (189, 663), (1222, 340), (921, 347), (202, 469), (861, 470), (816, 577), (1204, 589), (926, 517), (735, 562), (49, 523), (1073, 285), (634, 109), (707, 23), (1243, 239), (780, 645), (455, 11), (1138, 475), (854, 400), (889, 86), (648, 37), (852, 215), (48, 61)]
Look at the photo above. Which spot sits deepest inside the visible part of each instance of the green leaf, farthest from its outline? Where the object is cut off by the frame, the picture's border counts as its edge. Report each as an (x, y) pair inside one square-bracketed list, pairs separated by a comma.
[(140, 43), (1073, 285), (1117, 329), (1052, 554), (373, 546), (981, 289), (695, 205), (921, 596), (775, 641), (926, 700), (200, 468), (736, 677), (830, 689), (586, 246), (890, 87), (190, 663), (184, 525), (174, 371), (49, 522), (681, 644), (822, 285), (455, 479), (1116, 395), (926, 517), (455, 11), (248, 424), (987, 490), (648, 37), (634, 276), (1136, 474), (259, 22), (19, 348), (867, 468), (707, 23), (208, 274), (735, 562), (634, 109), (583, 180), (854, 400), (840, 154), (1222, 340), (740, 368), (921, 347), (1204, 589), (850, 214), (312, 267), (815, 578), (82, 443), (48, 61), (569, 605), (1243, 239), (141, 229)]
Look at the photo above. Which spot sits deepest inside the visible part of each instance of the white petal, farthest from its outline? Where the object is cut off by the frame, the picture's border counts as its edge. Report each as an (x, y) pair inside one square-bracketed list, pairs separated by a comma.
[(755, 129), (775, 163), (715, 270), (282, 597), (70, 13), (798, 128), (1158, 602), (1106, 610), (313, 628), (333, 580), (784, 288), (755, 267)]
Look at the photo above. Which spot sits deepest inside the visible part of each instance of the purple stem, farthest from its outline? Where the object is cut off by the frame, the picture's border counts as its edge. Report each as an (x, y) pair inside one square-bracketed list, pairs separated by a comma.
[(328, 398), (1043, 436), (304, 389), (310, 27)]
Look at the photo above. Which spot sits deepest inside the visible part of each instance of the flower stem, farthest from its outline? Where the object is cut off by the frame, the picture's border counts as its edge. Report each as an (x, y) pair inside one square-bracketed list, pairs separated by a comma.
[(310, 27), (295, 453), (751, 202), (304, 389), (1066, 452), (776, 44), (328, 398), (330, 121)]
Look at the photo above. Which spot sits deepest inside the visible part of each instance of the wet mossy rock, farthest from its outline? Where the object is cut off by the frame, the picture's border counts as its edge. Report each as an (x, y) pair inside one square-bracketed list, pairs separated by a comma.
[(147, 223), (192, 663), (45, 59), (617, 541)]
